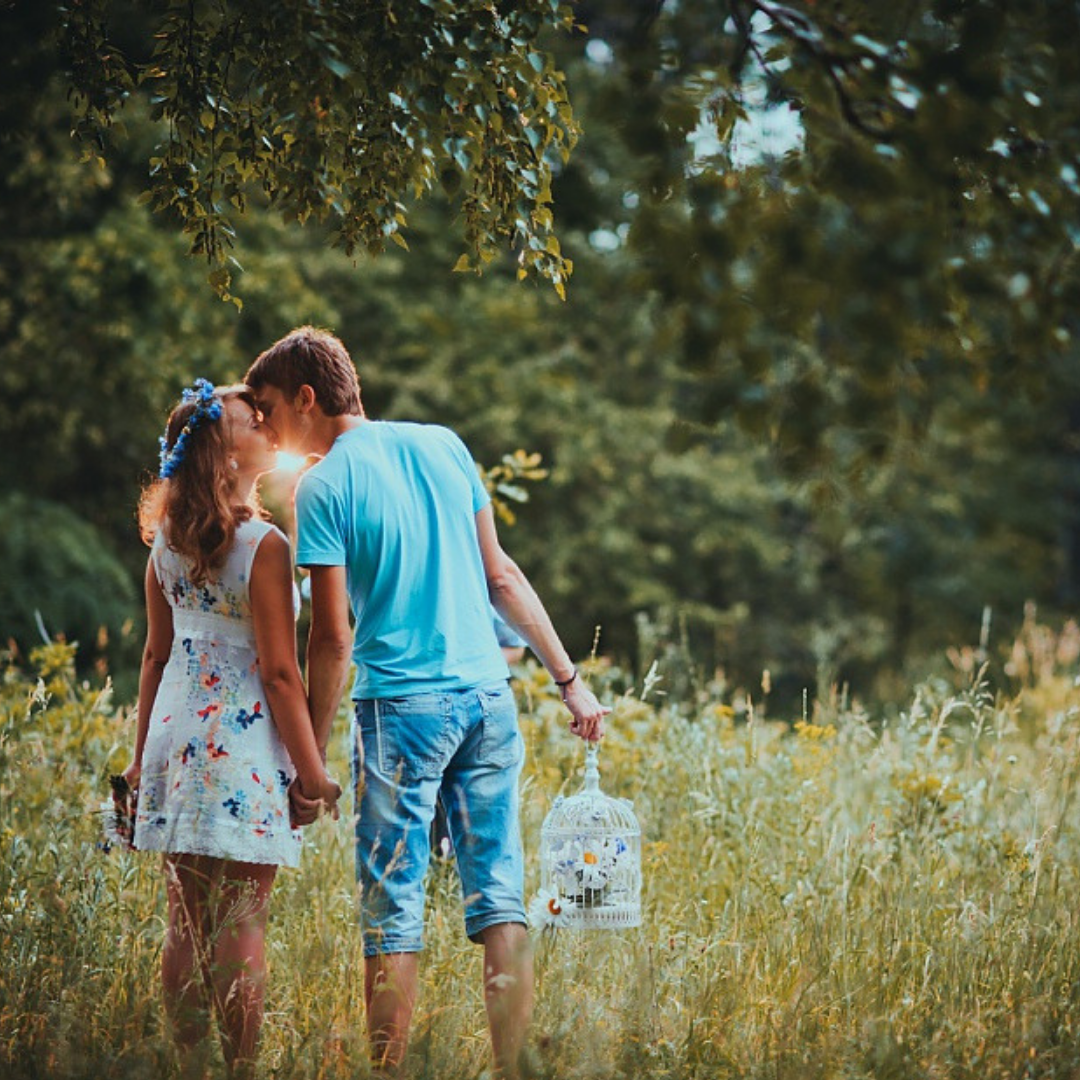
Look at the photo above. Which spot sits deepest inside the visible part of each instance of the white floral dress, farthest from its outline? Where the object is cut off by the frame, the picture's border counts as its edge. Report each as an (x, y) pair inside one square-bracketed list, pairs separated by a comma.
[(215, 773)]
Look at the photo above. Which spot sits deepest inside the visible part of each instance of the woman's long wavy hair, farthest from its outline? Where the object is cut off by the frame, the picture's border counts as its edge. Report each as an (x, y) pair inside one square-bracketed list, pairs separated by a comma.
[(197, 505)]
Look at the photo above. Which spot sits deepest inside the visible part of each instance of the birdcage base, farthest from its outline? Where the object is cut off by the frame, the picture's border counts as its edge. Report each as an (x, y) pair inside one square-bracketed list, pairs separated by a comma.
[(603, 917)]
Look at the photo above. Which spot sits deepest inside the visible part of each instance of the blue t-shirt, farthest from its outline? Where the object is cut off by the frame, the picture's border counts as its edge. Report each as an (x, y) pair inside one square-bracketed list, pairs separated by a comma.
[(395, 504)]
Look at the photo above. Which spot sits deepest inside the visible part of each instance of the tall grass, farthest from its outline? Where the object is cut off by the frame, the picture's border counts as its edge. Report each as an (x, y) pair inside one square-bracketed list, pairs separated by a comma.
[(841, 894)]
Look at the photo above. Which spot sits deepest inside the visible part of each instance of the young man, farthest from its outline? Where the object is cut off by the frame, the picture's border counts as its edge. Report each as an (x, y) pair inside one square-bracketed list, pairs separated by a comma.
[(395, 522)]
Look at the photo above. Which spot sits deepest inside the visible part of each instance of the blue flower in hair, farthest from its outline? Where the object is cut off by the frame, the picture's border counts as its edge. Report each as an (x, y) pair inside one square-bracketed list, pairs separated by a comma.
[(207, 408)]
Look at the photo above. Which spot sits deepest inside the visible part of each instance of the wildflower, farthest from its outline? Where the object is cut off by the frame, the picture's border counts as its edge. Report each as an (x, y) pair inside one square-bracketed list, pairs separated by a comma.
[(207, 408), (811, 731), (549, 910)]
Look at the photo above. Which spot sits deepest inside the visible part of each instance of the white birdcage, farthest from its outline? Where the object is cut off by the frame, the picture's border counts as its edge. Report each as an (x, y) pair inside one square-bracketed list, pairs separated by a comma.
[(590, 860)]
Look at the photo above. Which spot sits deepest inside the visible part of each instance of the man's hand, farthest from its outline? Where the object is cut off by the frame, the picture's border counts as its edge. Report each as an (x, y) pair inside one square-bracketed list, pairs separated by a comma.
[(304, 809), (587, 720)]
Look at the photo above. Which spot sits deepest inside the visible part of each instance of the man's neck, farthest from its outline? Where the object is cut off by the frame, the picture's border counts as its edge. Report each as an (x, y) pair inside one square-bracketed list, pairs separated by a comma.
[(329, 428)]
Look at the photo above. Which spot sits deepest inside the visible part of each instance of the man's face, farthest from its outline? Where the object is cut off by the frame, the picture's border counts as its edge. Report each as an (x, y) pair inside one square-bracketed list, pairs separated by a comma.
[(279, 414)]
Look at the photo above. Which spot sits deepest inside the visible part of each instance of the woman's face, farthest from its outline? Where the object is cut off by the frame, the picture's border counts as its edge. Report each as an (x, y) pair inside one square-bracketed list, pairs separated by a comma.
[(253, 444)]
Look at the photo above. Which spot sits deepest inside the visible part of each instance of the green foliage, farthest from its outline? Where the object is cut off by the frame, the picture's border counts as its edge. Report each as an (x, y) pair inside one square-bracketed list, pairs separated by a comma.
[(918, 232), (856, 893), (61, 576), (793, 415), (338, 112), (504, 481), (80, 941), (103, 320)]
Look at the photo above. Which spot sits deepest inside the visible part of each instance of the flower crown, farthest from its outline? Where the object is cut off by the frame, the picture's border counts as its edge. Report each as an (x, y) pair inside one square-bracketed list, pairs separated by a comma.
[(207, 407)]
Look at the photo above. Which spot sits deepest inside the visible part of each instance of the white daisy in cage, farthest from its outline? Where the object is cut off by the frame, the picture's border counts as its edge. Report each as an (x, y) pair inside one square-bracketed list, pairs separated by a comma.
[(594, 870)]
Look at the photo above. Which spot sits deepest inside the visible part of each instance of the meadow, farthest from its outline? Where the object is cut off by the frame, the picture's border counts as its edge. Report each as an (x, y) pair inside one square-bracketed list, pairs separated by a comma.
[(847, 892)]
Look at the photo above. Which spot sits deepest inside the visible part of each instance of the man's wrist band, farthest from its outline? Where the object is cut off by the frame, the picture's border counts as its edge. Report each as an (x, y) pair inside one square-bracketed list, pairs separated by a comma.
[(566, 682)]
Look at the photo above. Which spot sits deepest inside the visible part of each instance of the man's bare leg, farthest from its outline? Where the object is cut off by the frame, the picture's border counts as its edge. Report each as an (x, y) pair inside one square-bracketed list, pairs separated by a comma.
[(508, 993), (390, 985)]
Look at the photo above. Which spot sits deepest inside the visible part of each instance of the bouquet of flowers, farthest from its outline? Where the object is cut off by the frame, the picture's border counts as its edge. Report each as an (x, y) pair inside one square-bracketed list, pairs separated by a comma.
[(119, 814)]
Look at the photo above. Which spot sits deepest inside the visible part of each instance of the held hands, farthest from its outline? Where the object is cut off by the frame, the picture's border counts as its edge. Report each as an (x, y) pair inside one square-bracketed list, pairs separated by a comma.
[(587, 720), (306, 805)]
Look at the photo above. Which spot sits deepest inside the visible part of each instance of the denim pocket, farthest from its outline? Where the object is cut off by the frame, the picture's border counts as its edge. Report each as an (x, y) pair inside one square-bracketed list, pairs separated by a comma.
[(413, 739), (500, 741)]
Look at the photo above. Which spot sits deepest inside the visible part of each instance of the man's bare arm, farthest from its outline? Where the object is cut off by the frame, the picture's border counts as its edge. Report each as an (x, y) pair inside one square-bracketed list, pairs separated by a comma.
[(514, 598), (329, 648)]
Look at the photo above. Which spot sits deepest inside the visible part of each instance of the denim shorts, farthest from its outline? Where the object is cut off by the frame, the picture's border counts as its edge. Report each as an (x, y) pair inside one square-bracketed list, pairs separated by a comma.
[(465, 746)]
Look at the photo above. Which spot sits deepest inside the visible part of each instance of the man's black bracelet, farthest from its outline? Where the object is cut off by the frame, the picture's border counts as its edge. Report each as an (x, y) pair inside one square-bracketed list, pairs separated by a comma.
[(566, 682)]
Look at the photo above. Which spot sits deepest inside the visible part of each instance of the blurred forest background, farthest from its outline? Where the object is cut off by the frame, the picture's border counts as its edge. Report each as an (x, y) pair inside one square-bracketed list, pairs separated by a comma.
[(811, 403)]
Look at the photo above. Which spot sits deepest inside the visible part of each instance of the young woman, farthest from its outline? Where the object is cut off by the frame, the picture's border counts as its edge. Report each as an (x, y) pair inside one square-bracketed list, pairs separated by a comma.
[(223, 726)]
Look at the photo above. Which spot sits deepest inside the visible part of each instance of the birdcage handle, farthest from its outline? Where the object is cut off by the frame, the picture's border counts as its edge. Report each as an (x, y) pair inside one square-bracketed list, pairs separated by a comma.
[(592, 767)]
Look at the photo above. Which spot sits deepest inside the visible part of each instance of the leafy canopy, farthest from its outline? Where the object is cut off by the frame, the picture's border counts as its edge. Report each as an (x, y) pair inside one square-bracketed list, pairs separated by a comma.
[(919, 225), (885, 300), (338, 112)]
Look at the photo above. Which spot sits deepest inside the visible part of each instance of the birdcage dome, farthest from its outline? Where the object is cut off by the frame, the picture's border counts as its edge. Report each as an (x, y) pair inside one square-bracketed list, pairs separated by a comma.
[(590, 859)]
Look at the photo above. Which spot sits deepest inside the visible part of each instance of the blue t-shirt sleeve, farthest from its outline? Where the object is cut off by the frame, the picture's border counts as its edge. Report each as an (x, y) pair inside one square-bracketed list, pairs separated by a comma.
[(480, 496), (320, 524)]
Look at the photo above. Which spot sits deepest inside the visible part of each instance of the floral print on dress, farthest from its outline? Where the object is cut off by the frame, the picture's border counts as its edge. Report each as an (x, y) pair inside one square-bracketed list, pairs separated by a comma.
[(218, 597), (215, 773)]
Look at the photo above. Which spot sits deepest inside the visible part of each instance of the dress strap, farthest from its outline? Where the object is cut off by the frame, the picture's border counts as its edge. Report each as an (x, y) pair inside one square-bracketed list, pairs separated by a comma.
[(251, 535)]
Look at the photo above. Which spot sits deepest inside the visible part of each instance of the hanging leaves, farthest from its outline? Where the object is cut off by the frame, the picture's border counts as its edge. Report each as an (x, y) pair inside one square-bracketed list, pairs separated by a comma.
[(340, 113)]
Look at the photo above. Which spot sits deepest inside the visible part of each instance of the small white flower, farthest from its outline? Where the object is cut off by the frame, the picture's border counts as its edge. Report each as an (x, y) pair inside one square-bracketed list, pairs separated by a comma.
[(549, 909)]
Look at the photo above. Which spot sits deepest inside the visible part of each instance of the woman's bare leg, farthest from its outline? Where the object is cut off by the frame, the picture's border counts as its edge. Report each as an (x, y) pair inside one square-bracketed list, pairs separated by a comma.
[(185, 958), (239, 960)]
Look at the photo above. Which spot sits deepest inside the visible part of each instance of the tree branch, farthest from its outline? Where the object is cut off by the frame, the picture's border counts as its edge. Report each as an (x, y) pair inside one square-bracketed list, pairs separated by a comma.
[(801, 29)]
